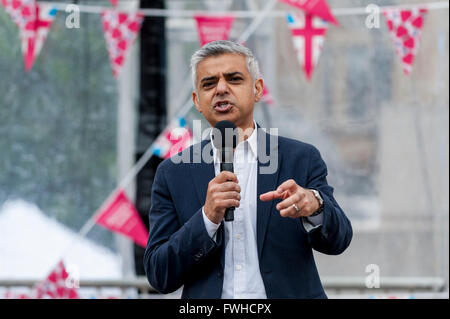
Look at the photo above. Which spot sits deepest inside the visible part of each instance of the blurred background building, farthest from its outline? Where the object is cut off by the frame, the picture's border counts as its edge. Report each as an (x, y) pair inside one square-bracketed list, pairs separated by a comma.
[(69, 132)]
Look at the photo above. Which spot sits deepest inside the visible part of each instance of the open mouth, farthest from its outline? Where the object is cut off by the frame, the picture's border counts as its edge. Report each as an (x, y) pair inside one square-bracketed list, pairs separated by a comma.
[(223, 106)]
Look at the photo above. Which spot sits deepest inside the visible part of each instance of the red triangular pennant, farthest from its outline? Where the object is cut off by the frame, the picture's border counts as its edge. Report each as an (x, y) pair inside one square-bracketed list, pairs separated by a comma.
[(34, 22), (114, 2), (173, 139), (55, 286), (121, 216), (308, 34), (120, 29), (405, 28), (319, 8), (213, 28)]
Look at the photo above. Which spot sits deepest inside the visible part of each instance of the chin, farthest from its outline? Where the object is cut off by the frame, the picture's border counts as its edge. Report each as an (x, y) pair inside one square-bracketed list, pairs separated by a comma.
[(226, 117)]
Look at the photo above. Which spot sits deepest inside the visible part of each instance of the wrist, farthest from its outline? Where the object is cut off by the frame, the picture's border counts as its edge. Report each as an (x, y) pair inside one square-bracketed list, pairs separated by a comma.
[(211, 217), (319, 199)]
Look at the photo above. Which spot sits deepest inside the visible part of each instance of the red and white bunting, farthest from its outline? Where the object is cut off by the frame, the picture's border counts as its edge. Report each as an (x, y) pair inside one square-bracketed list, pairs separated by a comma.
[(175, 138), (34, 22), (319, 8), (405, 28), (308, 34), (120, 215), (22, 12), (120, 29), (213, 28), (56, 286)]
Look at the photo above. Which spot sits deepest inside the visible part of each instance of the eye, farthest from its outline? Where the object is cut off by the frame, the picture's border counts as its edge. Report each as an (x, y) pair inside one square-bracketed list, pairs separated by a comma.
[(207, 84), (235, 79)]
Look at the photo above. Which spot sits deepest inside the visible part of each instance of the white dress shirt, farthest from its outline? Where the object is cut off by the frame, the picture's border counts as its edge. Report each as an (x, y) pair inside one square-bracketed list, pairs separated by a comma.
[(242, 276)]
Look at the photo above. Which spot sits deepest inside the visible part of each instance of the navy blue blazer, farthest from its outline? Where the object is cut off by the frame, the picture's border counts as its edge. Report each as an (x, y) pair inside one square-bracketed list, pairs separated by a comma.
[(180, 252)]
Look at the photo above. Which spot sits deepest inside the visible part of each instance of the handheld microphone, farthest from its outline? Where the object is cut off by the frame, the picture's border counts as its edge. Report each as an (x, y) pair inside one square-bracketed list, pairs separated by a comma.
[(224, 139)]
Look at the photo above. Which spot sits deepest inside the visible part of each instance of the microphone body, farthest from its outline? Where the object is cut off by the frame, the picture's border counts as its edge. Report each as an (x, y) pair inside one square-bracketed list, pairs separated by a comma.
[(227, 165), (224, 139)]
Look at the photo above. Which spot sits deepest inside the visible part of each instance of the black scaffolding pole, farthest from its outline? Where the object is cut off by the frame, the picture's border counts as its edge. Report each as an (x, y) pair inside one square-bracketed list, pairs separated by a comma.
[(152, 110)]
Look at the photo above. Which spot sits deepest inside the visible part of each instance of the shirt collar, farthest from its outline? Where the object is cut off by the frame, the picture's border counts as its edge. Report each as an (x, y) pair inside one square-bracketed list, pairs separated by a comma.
[(251, 140)]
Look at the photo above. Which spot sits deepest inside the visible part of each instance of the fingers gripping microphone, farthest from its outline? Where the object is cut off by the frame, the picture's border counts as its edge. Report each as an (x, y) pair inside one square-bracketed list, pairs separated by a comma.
[(224, 139)]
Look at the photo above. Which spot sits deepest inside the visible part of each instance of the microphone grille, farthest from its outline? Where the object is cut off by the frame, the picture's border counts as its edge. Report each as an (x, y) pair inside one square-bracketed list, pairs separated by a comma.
[(224, 134)]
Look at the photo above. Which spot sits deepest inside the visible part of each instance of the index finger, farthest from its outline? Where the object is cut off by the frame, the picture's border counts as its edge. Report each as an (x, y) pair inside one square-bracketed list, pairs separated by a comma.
[(270, 196), (226, 176)]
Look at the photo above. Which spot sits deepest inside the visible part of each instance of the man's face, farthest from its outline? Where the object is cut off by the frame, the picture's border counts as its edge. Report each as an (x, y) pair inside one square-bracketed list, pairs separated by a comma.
[(226, 91)]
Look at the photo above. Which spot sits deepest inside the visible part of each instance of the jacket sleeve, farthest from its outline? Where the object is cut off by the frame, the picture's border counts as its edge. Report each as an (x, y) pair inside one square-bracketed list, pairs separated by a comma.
[(335, 233), (173, 250)]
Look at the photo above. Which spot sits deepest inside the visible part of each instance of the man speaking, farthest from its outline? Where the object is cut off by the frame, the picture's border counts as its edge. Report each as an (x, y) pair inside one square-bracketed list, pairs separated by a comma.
[(280, 214)]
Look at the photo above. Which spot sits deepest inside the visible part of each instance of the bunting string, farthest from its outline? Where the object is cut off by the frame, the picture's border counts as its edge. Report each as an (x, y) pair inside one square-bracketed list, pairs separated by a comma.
[(175, 13)]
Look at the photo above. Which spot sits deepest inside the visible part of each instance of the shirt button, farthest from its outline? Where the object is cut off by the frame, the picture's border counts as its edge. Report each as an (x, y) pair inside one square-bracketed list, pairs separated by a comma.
[(238, 267), (238, 236)]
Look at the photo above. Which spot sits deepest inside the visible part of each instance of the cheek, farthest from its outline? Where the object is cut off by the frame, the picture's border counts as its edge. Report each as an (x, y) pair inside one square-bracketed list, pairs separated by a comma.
[(248, 97), (205, 105), (202, 100)]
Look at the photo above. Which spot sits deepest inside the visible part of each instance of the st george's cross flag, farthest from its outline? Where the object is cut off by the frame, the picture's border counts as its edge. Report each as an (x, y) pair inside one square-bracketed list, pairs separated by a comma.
[(121, 216), (120, 29), (56, 285), (34, 21), (211, 28), (318, 8), (175, 138), (308, 34), (405, 28), (35, 33)]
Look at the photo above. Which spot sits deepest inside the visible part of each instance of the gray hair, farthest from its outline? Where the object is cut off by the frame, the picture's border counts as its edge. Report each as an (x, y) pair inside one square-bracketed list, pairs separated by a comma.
[(217, 48)]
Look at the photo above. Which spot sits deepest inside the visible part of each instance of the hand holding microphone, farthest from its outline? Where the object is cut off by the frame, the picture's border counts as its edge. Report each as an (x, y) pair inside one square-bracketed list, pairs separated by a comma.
[(223, 191)]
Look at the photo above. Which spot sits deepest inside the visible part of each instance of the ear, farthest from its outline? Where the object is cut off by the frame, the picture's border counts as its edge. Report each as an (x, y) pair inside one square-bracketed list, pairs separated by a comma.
[(196, 101), (259, 88)]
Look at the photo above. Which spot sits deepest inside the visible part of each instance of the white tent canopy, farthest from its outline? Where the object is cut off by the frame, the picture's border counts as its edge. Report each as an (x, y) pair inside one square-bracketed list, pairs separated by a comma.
[(31, 245)]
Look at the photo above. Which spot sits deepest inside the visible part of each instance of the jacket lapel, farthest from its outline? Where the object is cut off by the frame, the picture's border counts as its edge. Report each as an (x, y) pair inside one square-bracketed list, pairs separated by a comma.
[(266, 182), (202, 172)]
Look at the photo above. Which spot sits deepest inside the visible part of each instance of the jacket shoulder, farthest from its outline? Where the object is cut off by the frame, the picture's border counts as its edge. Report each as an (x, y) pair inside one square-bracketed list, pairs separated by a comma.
[(291, 145)]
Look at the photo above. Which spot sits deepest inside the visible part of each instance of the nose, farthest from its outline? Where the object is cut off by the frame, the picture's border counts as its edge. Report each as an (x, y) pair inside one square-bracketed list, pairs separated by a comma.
[(222, 87)]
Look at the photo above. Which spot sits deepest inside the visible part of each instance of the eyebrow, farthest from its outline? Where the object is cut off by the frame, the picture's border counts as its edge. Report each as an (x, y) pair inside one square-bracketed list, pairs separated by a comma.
[(231, 74), (227, 75)]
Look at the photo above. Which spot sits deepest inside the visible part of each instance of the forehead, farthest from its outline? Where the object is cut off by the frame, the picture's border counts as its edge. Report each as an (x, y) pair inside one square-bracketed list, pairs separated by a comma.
[(224, 63)]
